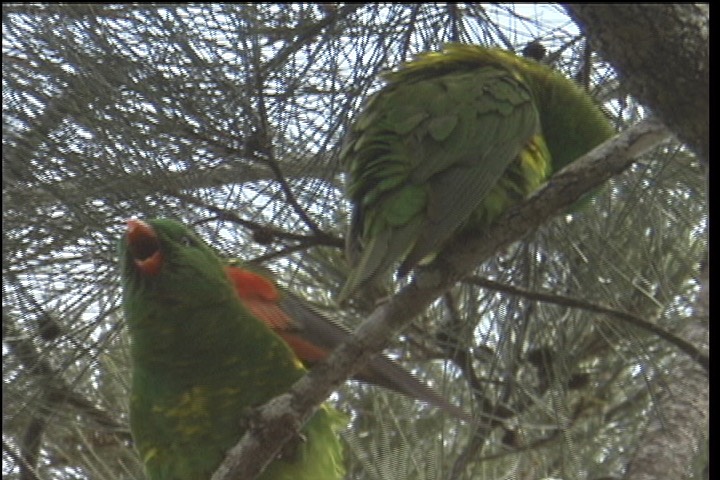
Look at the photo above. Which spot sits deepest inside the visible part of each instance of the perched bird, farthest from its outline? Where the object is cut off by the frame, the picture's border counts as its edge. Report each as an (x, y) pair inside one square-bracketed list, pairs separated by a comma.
[(209, 341), (201, 359), (448, 144)]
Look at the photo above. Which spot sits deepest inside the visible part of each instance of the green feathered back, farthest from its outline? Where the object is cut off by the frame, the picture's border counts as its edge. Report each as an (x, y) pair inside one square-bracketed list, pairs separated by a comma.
[(200, 360), (453, 140)]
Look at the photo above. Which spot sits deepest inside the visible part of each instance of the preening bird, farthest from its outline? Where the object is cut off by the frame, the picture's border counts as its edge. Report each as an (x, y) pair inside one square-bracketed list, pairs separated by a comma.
[(451, 141)]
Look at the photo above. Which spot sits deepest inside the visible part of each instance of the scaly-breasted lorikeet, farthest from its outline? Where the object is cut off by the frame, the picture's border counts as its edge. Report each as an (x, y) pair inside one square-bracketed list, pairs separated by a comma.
[(448, 144), (209, 341)]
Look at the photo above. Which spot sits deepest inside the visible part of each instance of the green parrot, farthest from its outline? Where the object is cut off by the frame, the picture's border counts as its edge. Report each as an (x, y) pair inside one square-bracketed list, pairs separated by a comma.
[(210, 340), (200, 359), (448, 144)]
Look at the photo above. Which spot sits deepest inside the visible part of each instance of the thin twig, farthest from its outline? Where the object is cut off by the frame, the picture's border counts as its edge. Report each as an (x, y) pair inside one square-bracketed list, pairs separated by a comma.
[(688, 348)]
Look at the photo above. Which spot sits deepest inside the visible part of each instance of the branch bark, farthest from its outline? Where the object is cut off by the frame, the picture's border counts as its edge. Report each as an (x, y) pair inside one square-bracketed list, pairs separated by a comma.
[(678, 430), (668, 66), (281, 418)]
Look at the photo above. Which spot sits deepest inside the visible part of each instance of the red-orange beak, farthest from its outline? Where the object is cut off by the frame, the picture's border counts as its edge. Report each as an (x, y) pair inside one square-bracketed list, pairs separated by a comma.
[(144, 247)]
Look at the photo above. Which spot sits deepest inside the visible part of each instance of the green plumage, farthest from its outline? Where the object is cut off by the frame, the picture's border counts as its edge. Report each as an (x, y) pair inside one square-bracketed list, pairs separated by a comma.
[(452, 141), (200, 360)]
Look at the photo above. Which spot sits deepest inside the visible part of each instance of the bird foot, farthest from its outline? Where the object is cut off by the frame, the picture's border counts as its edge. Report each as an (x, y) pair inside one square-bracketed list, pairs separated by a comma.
[(289, 451)]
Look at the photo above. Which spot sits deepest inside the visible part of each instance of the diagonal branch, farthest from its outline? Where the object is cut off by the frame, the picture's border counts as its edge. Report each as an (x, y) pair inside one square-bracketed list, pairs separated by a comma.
[(281, 417)]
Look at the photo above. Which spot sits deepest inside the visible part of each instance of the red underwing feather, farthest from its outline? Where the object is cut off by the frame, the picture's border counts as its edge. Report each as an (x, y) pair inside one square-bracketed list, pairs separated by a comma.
[(260, 296)]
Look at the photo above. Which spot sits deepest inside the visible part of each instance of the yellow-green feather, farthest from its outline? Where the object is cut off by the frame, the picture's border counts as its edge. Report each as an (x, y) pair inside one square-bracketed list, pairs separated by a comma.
[(453, 140), (200, 361)]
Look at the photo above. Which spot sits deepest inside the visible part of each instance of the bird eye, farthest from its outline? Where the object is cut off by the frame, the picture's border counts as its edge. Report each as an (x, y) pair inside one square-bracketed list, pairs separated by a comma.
[(187, 242)]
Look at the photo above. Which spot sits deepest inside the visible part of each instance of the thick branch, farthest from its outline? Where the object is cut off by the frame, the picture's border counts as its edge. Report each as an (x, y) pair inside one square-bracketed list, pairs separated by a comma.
[(668, 66), (280, 418)]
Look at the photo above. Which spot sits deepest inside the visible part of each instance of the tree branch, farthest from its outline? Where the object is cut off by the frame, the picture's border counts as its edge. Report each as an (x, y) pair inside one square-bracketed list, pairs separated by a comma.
[(674, 37), (267, 233), (281, 418), (688, 348)]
